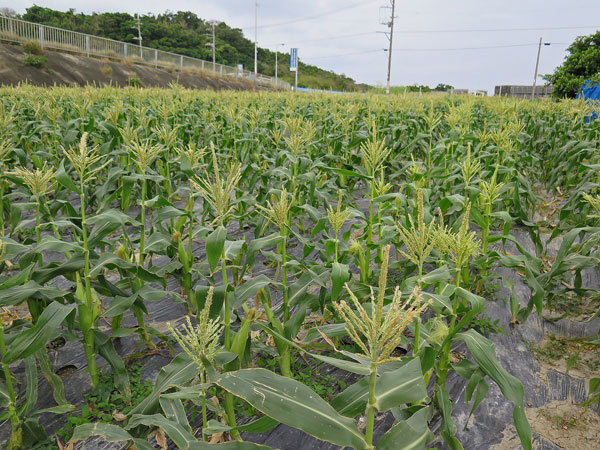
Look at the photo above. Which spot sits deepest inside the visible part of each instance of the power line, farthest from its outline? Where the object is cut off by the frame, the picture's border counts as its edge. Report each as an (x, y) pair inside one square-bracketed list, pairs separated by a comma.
[(487, 47), (316, 16), (493, 30), (344, 54)]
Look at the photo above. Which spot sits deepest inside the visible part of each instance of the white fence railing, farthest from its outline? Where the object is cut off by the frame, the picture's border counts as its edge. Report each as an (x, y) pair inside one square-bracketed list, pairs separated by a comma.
[(15, 30)]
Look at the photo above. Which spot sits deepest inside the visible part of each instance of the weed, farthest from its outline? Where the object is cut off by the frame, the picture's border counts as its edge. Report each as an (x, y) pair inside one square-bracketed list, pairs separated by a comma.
[(37, 61), (33, 48)]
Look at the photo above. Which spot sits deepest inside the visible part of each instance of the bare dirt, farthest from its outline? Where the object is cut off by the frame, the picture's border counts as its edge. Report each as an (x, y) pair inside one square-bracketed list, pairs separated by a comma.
[(566, 425), (65, 69)]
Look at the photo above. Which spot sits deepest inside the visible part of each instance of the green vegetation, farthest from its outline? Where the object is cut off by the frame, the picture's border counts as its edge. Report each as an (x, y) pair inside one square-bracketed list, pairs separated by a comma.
[(581, 64), (187, 34), (34, 55), (271, 221), (440, 87)]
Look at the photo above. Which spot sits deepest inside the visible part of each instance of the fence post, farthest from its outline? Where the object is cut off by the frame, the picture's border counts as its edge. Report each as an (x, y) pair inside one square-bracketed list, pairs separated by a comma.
[(10, 27), (180, 63), (202, 64), (221, 70), (87, 45), (41, 32), (125, 50), (156, 59)]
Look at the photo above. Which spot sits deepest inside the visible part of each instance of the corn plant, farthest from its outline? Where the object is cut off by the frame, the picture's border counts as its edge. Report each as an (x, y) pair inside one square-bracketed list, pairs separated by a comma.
[(87, 164)]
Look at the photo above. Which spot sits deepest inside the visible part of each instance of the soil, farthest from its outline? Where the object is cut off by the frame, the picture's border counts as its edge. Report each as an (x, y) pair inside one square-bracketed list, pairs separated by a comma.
[(66, 69), (567, 425)]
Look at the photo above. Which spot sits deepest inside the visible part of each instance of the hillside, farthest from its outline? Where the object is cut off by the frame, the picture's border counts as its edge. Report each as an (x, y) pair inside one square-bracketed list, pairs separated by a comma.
[(187, 34)]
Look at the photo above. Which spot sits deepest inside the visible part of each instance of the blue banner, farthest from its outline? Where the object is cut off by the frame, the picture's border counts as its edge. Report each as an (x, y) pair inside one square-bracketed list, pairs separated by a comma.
[(293, 59)]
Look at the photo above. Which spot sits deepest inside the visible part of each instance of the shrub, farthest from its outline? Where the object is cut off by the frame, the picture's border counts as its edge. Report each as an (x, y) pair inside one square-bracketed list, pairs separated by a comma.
[(106, 70), (38, 61), (33, 48), (134, 82)]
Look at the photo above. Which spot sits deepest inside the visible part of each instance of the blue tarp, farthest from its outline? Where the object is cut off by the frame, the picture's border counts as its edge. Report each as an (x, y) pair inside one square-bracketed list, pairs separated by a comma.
[(590, 92)]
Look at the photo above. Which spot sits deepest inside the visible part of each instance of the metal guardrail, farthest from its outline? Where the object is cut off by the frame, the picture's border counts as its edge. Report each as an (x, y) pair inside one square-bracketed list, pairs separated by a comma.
[(16, 30)]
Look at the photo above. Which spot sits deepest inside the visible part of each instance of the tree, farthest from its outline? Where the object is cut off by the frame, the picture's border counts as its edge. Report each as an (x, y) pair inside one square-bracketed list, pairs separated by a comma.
[(581, 64)]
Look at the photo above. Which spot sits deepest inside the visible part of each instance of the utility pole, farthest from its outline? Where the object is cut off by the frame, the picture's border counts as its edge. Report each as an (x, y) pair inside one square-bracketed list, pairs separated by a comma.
[(139, 36), (213, 23), (390, 36), (537, 65), (255, 39)]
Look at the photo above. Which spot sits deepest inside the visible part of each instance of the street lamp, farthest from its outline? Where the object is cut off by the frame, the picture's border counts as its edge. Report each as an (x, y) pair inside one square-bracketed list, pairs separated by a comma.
[(276, 52)]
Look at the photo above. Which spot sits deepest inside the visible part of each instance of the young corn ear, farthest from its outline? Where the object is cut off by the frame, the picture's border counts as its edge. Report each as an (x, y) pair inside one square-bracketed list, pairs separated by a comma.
[(382, 332)]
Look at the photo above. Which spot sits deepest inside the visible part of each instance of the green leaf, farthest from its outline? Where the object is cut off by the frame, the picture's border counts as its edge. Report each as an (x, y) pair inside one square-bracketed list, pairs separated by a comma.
[(329, 330), (291, 402), (353, 400), (215, 243), (105, 347), (119, 305), (58, 388), (348, 366), (50, 243), (31, 389), (348, 173), (340, 273), (413, 433), (35, 338), (178, 434), (63, 178), (233, 445), (249, 289), (180, 370), (404, 385), (60, 409), (111, 433), (259, 244), (484, 353), (448, 428), (173, 410)]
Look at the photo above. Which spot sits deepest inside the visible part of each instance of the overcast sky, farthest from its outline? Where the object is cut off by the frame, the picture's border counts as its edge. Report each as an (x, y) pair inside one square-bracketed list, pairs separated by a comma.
[(435, 41)]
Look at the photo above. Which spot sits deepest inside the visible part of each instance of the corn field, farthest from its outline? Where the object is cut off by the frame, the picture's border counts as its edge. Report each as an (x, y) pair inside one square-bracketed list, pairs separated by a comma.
[(236, 238)]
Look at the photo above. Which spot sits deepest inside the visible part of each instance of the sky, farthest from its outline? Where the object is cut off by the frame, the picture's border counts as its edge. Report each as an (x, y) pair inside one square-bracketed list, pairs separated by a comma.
[(470, 44)]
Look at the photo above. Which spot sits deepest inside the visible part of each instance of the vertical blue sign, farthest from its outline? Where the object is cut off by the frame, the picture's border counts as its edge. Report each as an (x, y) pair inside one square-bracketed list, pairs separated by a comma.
[(293, 59)]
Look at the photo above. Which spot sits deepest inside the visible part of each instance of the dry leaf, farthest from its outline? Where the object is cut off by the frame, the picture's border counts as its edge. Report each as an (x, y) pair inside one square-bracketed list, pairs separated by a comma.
[(161, 439), (216, 438), (119, 417)]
